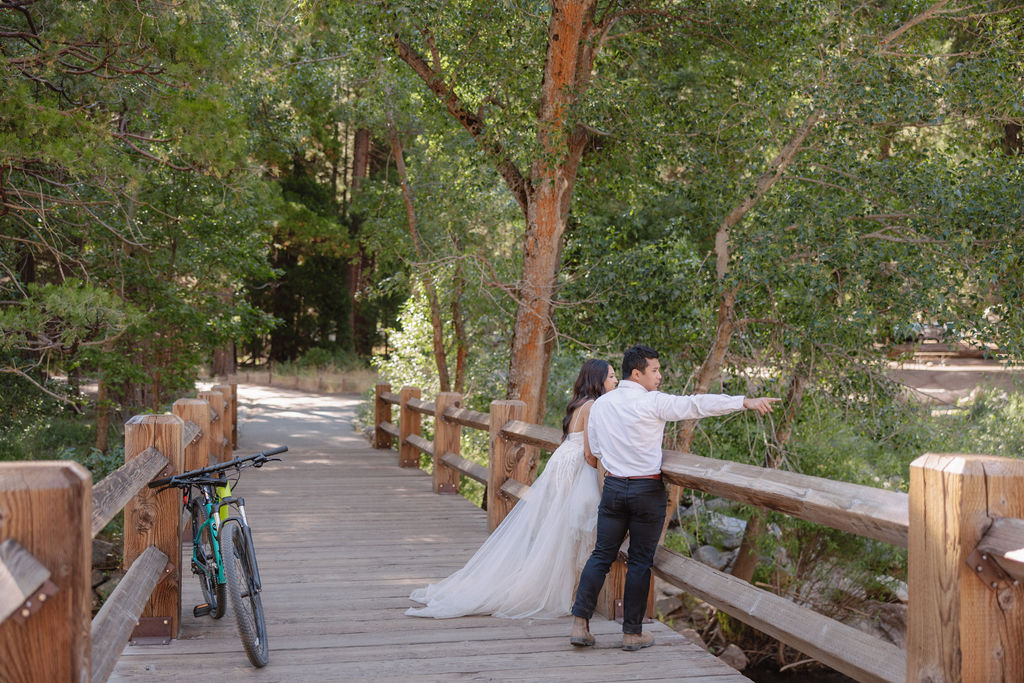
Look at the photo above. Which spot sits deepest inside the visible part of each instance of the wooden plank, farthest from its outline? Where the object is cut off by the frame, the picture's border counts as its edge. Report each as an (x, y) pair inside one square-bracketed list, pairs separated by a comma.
[(1004, 542), (862, 510), (152, 518), (217, 419), (46, 507), (21, 575), (390, 428), (113, 624), (958, 626), (111, 495), (469, 418), (422, 407), (467, 467), (547, 438), (421, 444), (514, 489), (835, 644), (391, 398), (227, 423)]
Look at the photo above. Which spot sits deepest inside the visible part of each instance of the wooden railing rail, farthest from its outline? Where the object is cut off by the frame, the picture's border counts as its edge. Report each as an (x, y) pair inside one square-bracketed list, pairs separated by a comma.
[(963, 522), (49, 513)]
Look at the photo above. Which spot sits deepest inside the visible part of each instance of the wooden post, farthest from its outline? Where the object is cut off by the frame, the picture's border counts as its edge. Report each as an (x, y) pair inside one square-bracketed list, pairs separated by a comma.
[(959, 626), (409, 423), (216, 401), (47, 507), (196, 410), (447, 439), (507, 460), (228, 421), (234, 415), (152, 518), (382, 413)]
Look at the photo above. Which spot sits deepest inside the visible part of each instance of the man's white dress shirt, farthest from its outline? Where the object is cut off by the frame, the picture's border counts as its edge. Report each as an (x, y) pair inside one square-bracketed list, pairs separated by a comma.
[(627, 425)]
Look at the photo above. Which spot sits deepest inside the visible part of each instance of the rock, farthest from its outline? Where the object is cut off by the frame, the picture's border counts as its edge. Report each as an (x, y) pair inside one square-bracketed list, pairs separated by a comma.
[(729, 528), (734, 657), (668, 605), (896, 587), (692, 636), (107, 587), (711, 556), (98, 577), (102, 551)]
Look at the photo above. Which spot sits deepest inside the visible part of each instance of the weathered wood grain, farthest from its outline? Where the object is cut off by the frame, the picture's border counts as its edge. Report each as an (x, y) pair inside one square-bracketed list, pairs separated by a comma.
[(152, 518), (508, 460), (20, 575), (863, 510), (1004, 541), (408, 425), (469, 418), (420, 444), (842, 647), (112, 626), (547, 438), (46, 507), (447, 439), (467, 467), (382, 415), (958, 626), (421, 407), (111, 495)]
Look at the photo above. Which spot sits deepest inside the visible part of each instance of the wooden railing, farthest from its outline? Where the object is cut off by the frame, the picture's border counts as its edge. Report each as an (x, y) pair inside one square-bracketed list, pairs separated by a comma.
[(49, 513), (962, 523)]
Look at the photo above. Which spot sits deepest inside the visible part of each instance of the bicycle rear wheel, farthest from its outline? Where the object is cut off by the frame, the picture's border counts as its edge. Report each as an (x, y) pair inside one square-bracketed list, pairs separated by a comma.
[(204, 562), (245, 599)]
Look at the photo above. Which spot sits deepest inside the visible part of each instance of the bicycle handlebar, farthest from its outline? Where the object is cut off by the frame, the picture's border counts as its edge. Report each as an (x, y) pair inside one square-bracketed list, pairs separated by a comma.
[(260, 459)]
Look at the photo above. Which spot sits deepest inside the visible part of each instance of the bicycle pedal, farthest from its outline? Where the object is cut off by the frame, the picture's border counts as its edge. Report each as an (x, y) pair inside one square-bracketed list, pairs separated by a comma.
[(202, 610)]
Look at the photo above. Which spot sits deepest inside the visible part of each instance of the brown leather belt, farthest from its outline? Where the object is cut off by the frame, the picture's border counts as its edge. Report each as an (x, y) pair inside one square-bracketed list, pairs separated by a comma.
[(641, 476)]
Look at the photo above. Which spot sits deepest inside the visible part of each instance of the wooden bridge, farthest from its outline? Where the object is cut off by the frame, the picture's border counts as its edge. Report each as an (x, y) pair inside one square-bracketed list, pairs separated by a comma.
[(344, 533)]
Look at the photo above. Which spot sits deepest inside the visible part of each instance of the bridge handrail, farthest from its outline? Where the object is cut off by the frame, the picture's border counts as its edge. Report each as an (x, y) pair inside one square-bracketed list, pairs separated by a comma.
[(956, 490), (50, 512)]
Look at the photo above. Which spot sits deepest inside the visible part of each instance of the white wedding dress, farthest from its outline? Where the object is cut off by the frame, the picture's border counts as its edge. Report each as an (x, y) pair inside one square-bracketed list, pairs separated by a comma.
[(529, 565)]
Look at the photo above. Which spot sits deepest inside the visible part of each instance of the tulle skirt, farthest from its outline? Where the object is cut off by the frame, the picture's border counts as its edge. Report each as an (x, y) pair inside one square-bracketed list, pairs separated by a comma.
[(529, 565)]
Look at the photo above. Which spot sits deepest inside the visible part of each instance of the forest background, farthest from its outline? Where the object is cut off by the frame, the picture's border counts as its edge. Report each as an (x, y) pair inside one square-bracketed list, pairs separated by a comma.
[(475, 196)]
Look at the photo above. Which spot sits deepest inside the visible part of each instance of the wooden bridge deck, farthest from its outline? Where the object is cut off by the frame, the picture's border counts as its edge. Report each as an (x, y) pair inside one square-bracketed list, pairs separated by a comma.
[(343, 535)]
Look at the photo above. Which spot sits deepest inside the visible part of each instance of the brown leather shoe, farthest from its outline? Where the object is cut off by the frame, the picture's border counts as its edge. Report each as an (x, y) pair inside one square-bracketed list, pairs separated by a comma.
[(635, 641), (581, 632)]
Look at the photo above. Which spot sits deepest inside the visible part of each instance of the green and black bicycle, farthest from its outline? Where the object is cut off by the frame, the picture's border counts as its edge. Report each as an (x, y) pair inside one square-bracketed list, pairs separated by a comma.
[(223, 556)]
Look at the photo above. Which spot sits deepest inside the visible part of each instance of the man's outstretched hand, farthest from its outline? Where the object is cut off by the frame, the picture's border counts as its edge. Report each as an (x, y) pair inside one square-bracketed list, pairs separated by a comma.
[(762, 405)]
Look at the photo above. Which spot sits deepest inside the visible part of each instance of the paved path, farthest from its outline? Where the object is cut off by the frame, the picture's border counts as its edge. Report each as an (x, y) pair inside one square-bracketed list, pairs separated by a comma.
[(343, 536)]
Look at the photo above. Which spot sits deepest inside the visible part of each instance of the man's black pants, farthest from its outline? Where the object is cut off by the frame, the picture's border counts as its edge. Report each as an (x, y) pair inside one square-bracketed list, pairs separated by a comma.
[(636, 506)]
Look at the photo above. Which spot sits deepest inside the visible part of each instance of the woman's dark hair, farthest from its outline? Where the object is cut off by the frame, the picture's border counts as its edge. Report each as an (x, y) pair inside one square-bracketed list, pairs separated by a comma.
[(589, 385)]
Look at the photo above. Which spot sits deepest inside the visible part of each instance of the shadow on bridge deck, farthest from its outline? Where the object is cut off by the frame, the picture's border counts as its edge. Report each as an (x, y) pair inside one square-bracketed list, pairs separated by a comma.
[(343, 535)]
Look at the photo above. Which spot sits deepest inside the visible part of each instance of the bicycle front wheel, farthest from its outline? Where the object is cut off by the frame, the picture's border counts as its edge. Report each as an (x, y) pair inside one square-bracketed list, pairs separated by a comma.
[(245, 598), (204, 562)]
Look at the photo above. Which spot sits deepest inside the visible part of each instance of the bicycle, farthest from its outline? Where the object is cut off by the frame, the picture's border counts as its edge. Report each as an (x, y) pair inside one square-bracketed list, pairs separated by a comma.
[(223, 556)]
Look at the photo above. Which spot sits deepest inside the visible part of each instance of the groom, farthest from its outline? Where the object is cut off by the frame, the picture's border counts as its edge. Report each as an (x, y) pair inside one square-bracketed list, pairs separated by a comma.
[(625, 432)]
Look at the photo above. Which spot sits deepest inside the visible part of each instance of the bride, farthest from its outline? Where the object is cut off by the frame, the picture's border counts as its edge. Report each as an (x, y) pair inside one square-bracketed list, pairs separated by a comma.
[(529, 566)]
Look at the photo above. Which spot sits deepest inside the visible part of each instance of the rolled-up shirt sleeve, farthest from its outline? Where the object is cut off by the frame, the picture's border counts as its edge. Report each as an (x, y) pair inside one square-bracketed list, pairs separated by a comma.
[(671, 408)]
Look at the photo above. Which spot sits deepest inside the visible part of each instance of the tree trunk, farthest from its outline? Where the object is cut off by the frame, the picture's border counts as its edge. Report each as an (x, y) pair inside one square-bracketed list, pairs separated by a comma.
[(573, 42), (440, 356), (749, 553), (551, 183), (354, 268), (458, 324), (102, 417), (713, 363)]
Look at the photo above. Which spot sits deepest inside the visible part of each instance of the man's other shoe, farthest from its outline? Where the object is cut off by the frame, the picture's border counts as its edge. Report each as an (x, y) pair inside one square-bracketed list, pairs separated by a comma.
[(581, 632), (635, 641)]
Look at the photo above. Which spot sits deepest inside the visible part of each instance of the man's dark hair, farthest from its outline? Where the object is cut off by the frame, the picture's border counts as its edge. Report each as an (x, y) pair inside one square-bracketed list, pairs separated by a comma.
[(636, 358)]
